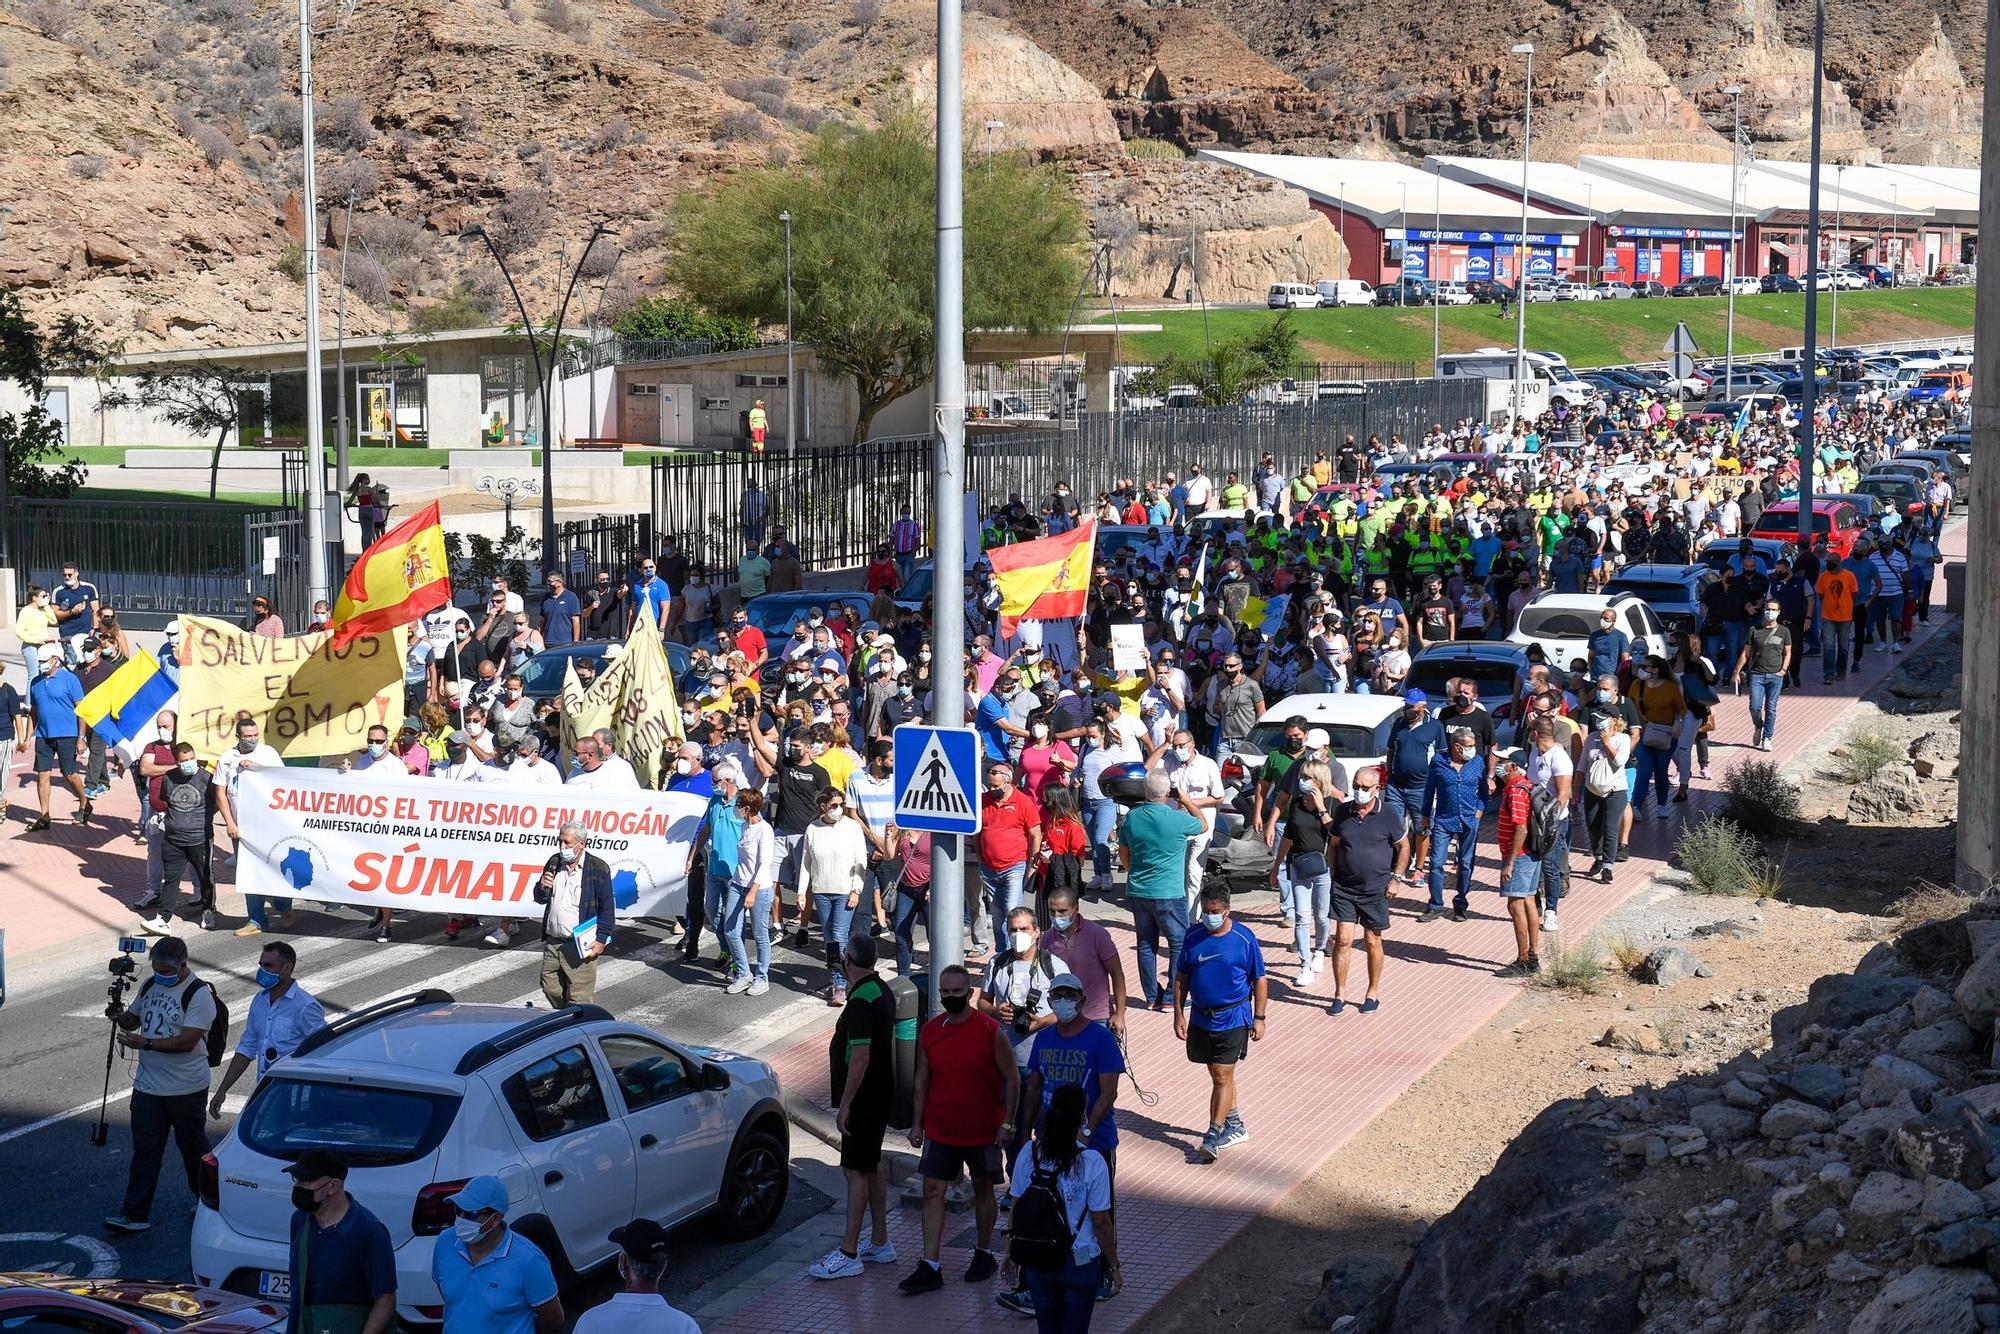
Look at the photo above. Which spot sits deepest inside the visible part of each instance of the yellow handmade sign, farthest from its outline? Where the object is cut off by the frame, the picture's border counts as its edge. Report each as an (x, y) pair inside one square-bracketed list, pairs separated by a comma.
[(309, 698)]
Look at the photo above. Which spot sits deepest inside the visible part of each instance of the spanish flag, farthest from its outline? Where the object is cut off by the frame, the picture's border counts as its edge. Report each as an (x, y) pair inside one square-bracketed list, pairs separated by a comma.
[(402, 576), (1047, 579)]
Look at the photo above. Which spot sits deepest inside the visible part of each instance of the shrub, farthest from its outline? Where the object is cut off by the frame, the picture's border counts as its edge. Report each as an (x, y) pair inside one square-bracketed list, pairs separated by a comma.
[(599, 260), (284, 122), (87, 166), (460, 308), (53, 20), (169, 43), (865, 15), (612, 135), (740, 126), (355, 176), (1929, 903), (1758, 798), (668, 317), (215, 146), (518, 221), (526, 150), (292, 263), (262, 53), (999, 9), (657, 10), (1867, 751), (225, 13), (1626, 953), (1578, 967), (343, 123), (392, 238), (558, 15), (688, 72), (797, 37), (366, 278), (735, 27), (1154, 148), (1718, 856)]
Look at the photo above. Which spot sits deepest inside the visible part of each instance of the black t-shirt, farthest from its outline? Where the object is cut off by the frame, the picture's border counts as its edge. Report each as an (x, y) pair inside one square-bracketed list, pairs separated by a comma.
[(1306, 829), (867, 1021), (1474, 720), (1367, 851), (1768, 645), (1587, 717), (800, 787), (1434, 620)]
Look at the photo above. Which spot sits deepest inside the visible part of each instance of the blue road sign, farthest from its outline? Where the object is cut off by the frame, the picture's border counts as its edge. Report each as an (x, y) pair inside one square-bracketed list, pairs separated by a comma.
[(937, 779)]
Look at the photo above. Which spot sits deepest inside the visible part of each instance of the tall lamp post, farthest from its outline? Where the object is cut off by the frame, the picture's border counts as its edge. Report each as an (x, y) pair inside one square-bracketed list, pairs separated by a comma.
[(791, 372), (1895, 228), (545, 372), (1521, 273), (1810, 386), (315, 497), (1403, 221), (1834, 269), (1729, 269)]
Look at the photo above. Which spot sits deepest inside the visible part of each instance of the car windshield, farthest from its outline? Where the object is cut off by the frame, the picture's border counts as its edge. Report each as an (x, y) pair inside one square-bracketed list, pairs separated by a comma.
[(1557, 623), (545, 672), (1787, 521), (364, 1126), (1493, 678), (1647, 591), (1346, 742)]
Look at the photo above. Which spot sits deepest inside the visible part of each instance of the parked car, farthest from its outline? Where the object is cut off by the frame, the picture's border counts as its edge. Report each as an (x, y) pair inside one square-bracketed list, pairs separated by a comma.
[(1779, 282), (1453, 294), (62, 1302), (1672, 591), (1766, 550), (1404, 292), (1894, 490), (1878, 275), (1949, 386), (1648, 287), (589, 1122), (1543, 289), (1488, 291), (1743, 284), (543, 675), (1743, 381), (1344, 292), (1496, 668), (1562, 623), (1958, 444), (1954, 461), (1577, 292), (1437, 475), (1292, 296), (1836, 520), (776, 613), (1701, 284), (1613, 290)]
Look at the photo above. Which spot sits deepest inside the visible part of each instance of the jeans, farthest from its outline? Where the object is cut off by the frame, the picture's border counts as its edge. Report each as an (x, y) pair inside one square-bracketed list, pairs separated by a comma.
[(1065, 1298), (1652, 767), (97, 770), (1602, 818), (1407, 800), (733, 905), (1555, 862), (1468, 849), (176, 859), (31, 654), (999, 894), (1691, 748), (1150, 919), (1888, 613), (154, 1117), (908, 910), (1100, 820), (836, 919), (1765, 687), (1314, 901), (1836, 647)]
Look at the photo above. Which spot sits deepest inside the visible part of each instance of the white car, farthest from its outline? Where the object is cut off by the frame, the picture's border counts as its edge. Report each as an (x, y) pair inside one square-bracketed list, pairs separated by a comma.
[(1577, 292), (1357, 728), (1743, 284), (1562, 624), (1453, 294), (1613, 290), (588, 1122), (1541, 289)]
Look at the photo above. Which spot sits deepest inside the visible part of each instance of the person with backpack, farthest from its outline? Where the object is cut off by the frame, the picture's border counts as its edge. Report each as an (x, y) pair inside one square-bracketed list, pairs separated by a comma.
[(1520, 865), (1062, 1237), (1552, 773), (187, 800), (1016, 993), (179, 1027)]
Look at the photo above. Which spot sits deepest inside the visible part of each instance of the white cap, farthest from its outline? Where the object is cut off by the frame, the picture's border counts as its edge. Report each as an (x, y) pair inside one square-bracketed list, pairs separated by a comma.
[(1318, 737)]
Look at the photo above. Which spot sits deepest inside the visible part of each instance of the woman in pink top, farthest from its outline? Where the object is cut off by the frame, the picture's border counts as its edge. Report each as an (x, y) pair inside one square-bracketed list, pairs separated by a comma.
[(913, 891), (1044, 761)]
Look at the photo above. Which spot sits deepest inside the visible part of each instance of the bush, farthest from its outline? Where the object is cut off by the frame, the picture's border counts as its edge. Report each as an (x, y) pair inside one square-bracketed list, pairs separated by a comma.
[(356, 176), (688, 72), (735, 27), (343, 123), (292, 263), (665, 317), (215, 146), (558, 15), (1867, 751), (1154, 148), (1626, 953), (748, 90), (262, 53), (740, 126), (865, 15), (518, 221), (1759, 799), (1718, 856), (1929, 903), (612, 135), (797, 37), (87, 166), (599, 260), (55, 21), (460, 308), (1578, 967), (225, 13), (657, 10), (284, 122), (392, 238)]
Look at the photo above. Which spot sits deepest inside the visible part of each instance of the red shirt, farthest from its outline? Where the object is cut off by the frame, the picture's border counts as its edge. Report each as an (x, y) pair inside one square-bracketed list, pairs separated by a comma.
[(1066, 835), (1513, 811), (1004, 826), (751, 644), (882, 574), (159, 752), (965, 1102)]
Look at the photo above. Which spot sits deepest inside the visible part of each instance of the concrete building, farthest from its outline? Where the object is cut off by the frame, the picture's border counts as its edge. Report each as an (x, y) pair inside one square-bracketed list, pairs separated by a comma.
[(1398, 220), (1932, 218)]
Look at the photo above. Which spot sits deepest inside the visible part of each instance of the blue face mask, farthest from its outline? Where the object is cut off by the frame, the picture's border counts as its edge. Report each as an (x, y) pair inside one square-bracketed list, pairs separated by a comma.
[(267, 979), (171, 976), (1212, 920), (189, 766), (375, 749)]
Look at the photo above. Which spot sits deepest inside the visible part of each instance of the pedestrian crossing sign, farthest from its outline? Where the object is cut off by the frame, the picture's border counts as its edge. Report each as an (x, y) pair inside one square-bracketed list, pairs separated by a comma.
[(937, 779)]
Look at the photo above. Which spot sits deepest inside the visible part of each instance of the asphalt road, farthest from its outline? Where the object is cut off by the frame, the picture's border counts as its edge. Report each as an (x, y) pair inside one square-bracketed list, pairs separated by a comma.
[(56, 1189)]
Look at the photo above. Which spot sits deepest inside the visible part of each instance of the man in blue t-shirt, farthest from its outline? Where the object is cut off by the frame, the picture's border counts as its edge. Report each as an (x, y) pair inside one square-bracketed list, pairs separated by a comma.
[(1220, 999), (562, 615), (1074, 1050), (53, 698)]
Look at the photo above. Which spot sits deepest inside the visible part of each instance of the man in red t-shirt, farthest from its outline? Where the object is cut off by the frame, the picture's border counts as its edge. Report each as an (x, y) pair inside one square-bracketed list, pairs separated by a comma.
[(967, 1089), (749, 640), (154, 763), (1010, 834), (1520, 870)]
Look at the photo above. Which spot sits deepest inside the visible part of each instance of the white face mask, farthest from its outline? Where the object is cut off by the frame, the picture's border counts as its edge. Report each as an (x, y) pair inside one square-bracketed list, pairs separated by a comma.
[(475, 729), (1023, 941), (683, 767), (469, 1230)]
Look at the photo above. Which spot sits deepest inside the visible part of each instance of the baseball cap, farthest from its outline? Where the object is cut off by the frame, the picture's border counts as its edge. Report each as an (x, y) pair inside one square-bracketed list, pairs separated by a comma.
[(1415, 697), (482, 1193), (1065, 982), (314, 1164), (1317, 737), (458, 737), (642, 1239)]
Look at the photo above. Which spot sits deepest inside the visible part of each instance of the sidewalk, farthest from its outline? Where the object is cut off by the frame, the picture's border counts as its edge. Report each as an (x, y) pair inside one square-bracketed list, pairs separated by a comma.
[(1306, 1089)]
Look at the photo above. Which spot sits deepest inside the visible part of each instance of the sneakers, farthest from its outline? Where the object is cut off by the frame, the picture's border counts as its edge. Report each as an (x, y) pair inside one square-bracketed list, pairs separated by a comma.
[(451, 925), (159, 924), (120, 1223), (1307, 972), (497, 938), (837, 997), (836, 1263), (1550, 922), (152, 898), (1289, 921), (1662, 814), (1430, 915), (760, 986), (1234, 1132), (382, 934), (983, 1267), (1518, 968), (1211, 1144), (737, 987), (1896, 648), (869, 1253), (1458, 914), (926, 1277), (1370, 1005), (249, 929), (1020, 1301), (209, 920)]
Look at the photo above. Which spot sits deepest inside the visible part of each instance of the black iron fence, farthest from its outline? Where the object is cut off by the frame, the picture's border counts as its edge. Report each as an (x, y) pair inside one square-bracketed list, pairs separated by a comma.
[(838, 502), (607, 542), (154, 560)]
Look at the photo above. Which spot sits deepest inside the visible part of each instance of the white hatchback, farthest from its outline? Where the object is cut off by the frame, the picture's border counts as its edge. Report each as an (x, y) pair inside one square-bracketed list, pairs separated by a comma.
[(588, 1122), (1562, 624)]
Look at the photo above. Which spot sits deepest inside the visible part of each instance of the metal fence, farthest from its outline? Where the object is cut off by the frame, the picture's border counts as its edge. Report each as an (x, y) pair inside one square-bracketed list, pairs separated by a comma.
[(838, 502), (608, 542), (154, 560)]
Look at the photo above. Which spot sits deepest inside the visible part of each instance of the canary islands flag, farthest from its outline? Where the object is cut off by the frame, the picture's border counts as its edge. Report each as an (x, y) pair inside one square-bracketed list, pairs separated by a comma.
[(124, 705), (402, 576), (1047, 579)]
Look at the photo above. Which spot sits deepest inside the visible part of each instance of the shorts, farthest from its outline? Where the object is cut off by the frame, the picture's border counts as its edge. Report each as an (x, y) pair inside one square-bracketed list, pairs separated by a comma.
[(861, 1145), (1217, 1046), (53, 753), (941, 1162), (791, 850), (1526, 881), (1370, 910)]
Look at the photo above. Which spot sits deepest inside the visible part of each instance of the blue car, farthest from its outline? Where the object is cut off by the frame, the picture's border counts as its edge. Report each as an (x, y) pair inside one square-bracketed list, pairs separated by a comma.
[(776, 613), (1672, 591)]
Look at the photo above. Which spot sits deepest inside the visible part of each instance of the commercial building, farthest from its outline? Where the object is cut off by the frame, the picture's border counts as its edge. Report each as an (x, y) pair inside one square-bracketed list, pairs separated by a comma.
[(1931, 219)]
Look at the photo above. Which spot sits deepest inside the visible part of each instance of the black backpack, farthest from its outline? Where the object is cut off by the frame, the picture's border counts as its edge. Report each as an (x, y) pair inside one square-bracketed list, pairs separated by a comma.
[(1546, 817), (1039, 1233), (218, 1032)]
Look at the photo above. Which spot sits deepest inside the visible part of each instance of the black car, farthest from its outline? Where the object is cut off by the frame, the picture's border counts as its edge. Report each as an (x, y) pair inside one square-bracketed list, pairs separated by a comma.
[(1702, 284), (1779, 282), (1672, 591), (1486, 291), (1404, 292)]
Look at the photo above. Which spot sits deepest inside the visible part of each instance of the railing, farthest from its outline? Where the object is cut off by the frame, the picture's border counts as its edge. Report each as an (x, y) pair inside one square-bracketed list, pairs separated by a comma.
[(609, 542)]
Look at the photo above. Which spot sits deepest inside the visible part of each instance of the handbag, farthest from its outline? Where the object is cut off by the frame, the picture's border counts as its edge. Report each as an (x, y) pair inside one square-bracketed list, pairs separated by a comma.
[(324, 1317), (1657, 736), (1308, 865), (1602, 778)]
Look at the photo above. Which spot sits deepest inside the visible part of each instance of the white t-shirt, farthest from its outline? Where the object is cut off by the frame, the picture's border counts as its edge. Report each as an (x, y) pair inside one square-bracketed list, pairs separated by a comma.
[(606, 777), (233, 761), (1010, 985), (540, 772), (1198, 776), (1086, 1188), (470, 770), (1546, 766), (636, 1313), (161, 1016)]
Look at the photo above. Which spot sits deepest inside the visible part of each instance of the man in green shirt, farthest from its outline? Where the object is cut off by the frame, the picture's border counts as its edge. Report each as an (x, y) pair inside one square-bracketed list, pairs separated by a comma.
[(752, 573), (1153, 845)]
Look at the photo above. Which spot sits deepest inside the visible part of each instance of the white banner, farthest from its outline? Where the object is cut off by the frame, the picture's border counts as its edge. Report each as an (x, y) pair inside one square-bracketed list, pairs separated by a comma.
[(435, 845), (1128, 648)]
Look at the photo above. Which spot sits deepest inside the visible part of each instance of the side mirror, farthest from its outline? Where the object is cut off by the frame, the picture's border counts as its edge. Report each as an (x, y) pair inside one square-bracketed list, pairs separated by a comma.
[(714, 1078)]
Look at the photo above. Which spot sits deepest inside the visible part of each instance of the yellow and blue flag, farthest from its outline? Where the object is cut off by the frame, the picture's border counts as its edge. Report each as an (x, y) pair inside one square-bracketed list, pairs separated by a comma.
[(124, 705)]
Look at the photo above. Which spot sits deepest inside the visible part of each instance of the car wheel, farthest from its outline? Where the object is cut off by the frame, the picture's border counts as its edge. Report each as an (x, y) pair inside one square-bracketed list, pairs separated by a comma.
[(754, 1187)]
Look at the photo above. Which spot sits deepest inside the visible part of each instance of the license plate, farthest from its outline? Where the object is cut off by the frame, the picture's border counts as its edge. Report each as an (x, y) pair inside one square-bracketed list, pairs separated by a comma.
[(271, 1284)]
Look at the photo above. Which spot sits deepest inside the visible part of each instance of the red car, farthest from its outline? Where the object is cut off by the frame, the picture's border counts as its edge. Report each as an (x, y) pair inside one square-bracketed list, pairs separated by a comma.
[(129, 1306), (1836, 520)]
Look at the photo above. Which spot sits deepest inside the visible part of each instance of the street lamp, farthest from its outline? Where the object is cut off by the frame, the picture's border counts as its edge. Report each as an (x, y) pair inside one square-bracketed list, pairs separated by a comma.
[(1833, 270), (1521, 273), (1735, 92), (791, 375), (1808, 405), (1403, 221), (1895, 229), (1340, 206), (544, 372)]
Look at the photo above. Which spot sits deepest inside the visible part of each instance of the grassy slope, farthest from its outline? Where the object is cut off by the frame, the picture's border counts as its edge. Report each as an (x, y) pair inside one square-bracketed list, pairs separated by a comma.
[(113, 456), (1589, 334)]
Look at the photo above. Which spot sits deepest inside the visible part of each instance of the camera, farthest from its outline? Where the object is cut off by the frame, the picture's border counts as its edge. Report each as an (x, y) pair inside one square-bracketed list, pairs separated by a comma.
[(123, 968), (1024, 1013)]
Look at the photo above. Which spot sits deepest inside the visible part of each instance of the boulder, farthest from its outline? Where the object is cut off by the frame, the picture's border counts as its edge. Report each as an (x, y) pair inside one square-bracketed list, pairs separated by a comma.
[(1893, 794), (1849, 1268), (1947, 1037), (1960, 1241), (1947, 1202), (1724, 1124), (1666, 965), (1935, 754), (1870, 1129), (1637, 1037), (1953, 1141), (1738, 1094), (1888, 1075), (1932, 1006), (1839, 1001), (1350, 1286), (1878, 1207), (1792, 1117), (1927, 1300), (1978, 992), (1817, 1083)]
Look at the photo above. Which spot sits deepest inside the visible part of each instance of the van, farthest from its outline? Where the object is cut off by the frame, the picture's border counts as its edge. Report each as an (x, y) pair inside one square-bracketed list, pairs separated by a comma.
[(1291, 296), (1344, 292)]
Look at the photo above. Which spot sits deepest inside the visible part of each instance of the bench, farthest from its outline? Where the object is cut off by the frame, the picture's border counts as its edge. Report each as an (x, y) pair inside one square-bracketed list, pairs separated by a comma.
[(597, 442), (278, 442)]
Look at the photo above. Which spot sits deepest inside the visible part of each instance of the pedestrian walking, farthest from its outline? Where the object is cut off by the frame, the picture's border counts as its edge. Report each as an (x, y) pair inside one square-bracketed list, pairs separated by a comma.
[(1551, 769), (966, 1089), (1010, 838), (249, 752), (1606, 772), (187, 840), (1220, 997), (579, 915), (1520, 866), (1839, 595), (74, 606), (282, 1015), (638, 1307), (1454, 804), (52, 700), (712, 860), (1371, 847), (35, 630), (861, 1056), (1086, 949), (1766, 659), (833, 866), (756, 853), (1152, 847), (1016, 994), (342, 1263), (1062, 1238), (1664, 709), (492, 1280), (173, 1011), (1303, 855)]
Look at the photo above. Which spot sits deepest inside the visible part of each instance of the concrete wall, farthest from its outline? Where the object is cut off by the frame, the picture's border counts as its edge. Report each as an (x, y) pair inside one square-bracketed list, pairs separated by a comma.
[(826, 411), (122, 426)]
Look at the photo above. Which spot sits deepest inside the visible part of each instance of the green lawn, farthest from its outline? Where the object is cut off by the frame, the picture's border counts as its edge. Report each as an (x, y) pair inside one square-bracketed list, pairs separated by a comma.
[(1592, 333), (114, 494), (113, 456)]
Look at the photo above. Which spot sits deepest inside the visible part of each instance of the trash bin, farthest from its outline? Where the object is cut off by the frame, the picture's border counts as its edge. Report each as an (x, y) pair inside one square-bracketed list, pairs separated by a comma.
[(909, 1017)]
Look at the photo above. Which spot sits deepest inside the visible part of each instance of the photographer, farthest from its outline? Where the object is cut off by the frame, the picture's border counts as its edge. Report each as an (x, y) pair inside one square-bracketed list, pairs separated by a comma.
[(1017, 994), (167, 1025), (282, 1015)]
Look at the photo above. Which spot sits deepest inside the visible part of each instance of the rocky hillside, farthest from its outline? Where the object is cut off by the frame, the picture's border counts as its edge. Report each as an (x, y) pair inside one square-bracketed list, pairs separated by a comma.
[(149, 148)]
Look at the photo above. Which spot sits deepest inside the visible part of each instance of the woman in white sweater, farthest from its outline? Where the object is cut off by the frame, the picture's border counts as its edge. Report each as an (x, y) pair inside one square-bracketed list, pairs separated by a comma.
[(832, 867), (756, 866)]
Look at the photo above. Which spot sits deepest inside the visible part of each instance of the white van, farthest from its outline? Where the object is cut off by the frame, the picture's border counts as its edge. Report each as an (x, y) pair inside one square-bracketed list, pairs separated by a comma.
[(1292, 296), (1497, 363), (1344, 292)]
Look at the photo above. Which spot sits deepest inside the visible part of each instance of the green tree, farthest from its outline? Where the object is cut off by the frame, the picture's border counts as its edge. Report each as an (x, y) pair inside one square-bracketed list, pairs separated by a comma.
[(1237, 367), (199, 397), (863, 206), (669, 317), (31, 440)]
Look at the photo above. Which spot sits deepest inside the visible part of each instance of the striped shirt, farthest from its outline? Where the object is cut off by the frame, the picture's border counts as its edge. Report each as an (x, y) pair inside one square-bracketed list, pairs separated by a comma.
[(873, 799)]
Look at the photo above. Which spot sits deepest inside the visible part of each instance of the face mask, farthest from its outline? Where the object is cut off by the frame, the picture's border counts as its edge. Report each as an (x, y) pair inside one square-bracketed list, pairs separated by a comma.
[(1023, 941), (189, 766), (818, 621), (925, 655), (1364, 796), (42, 601), (169, 977), (1061, 923), (304, 1199), (833, 815), (954, 1004), (246, 744), (1212, 920), (906, 691), (469, 1230), (1042, 733), (1183, 753), (569, 856), (1770, 615), (475, 729), (375, 749)]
